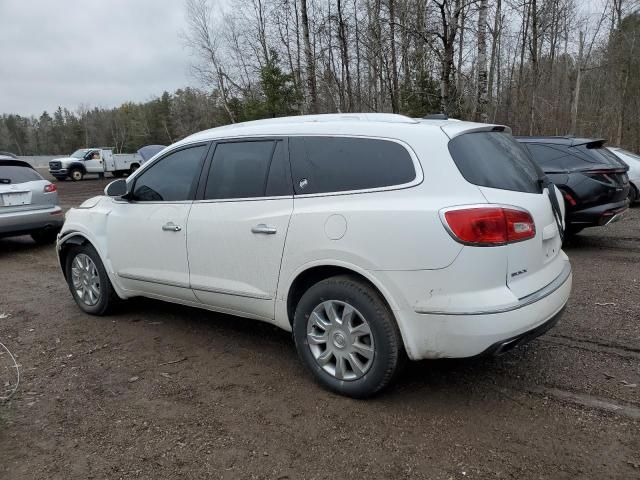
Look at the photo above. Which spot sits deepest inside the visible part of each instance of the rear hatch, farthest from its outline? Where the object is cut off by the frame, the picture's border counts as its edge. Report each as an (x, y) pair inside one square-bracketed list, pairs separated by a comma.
[(21, 188), (505, 174)]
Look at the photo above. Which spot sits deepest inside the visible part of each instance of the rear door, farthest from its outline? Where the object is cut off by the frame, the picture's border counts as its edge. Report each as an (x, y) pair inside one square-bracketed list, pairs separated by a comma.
[(238, 226), (505, 174)]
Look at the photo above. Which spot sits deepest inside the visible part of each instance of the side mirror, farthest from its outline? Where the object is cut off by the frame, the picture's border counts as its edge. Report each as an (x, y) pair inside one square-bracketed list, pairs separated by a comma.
[(117, 188)]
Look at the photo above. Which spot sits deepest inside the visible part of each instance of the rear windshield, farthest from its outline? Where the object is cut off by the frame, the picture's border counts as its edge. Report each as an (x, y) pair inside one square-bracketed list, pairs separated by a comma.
[(495, 160), (557, 157), (15, 174)]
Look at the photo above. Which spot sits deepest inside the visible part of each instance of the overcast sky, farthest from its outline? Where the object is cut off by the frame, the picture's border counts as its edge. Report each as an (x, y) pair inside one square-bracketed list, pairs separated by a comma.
[(96, 52)]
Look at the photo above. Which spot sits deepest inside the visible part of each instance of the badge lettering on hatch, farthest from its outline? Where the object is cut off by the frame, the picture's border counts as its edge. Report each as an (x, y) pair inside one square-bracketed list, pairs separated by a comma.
[(519, 272)]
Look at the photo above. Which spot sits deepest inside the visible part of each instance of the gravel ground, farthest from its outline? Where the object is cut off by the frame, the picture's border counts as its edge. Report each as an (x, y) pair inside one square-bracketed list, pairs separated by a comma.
[(164, 391)]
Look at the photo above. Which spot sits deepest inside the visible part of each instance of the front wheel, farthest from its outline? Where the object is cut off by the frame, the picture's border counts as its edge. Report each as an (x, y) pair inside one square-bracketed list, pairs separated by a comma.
[(633, 195), (347, 337), (76, 174), (88, 280)]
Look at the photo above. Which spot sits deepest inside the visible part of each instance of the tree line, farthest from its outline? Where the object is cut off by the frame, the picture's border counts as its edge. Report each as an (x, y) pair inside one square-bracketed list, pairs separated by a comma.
[(543, 67)]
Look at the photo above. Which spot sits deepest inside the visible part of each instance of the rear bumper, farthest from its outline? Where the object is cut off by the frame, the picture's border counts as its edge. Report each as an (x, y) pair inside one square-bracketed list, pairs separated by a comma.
[(20, 223), (486, 331), (598, 215)]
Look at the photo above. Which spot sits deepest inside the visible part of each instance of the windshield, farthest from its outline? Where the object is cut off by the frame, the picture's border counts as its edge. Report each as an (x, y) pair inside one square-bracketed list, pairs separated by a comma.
[(79, 153)]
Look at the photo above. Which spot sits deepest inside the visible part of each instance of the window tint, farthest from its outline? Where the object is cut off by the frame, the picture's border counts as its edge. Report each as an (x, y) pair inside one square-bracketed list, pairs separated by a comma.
[(172, 178), (337, 164), (557, 157), (496, 160), (279, 180), (241, 170), (17, 174)]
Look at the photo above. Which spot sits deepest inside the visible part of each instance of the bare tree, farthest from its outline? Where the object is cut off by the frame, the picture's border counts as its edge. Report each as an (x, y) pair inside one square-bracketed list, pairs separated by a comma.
[(482, 95)]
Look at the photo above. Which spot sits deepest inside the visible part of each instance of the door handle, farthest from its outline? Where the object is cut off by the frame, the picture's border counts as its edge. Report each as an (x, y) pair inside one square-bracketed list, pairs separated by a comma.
[(262, 228), (171, 227)]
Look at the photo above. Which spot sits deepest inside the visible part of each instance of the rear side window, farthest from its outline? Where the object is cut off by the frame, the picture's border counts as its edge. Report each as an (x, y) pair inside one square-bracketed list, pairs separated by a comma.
[(495, 160), (10, 174), (248, 170), (339, 164)]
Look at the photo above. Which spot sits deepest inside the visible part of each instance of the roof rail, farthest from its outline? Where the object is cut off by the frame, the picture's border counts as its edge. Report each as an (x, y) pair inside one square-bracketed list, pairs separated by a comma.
[(436, 116)]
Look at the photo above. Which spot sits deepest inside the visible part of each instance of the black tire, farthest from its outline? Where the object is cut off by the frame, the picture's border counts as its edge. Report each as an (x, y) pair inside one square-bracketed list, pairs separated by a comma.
[(633, 195), (76, 174), (388, 352), (108, 299), (133, 168), (45, 237)]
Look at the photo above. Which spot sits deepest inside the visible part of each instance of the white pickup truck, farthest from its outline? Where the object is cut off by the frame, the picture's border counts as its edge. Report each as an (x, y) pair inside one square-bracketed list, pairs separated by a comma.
[(94, 161)]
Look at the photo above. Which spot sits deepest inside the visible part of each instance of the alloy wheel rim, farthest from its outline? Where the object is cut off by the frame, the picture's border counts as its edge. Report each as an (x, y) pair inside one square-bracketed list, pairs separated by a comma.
[(85, 279), (340, 340), (77, 175)]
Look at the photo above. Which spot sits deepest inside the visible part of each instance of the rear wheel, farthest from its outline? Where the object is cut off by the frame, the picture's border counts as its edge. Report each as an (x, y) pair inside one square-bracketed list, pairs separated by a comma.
[(633, 194), (347, 337), (44, 237), (76, 174), (88, 280), (133, 168)]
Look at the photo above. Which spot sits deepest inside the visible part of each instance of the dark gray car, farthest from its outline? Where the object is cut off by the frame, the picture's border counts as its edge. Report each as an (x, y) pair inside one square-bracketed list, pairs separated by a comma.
[(28, 202)]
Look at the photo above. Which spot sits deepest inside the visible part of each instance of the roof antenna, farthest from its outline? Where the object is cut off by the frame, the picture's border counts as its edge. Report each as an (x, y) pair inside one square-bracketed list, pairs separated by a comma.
[(436, 116)]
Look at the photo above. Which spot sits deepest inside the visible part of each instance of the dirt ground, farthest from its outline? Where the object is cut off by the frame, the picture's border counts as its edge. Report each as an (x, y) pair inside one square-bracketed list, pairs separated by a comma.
[(163, 391)]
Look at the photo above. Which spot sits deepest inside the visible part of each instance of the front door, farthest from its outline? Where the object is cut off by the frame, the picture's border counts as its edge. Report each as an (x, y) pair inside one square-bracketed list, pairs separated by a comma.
[(147, 232), (93, 162), (237, 229)]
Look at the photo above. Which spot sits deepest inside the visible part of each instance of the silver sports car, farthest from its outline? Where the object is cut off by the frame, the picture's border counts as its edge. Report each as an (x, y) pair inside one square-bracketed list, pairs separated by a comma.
[(28, 202)]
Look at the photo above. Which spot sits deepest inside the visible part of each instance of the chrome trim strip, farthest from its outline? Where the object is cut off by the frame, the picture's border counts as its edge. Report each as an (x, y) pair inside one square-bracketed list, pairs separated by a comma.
[(138, 278), (522, 302), (201, 288), (198, 288)]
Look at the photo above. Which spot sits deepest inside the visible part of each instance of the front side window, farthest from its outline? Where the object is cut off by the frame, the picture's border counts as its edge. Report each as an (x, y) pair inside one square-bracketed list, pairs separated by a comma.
[(248, 169), (340, 164), (172, 178)]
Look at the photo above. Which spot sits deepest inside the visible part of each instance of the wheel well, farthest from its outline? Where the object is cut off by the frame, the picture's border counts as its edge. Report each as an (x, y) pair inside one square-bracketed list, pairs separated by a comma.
[(62, 253), (77, 166), (310, 277)]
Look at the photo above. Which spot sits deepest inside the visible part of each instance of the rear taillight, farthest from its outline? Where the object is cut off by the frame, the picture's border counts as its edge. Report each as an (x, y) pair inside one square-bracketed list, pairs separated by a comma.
[(489, 226), (569, 199), (49, 188)]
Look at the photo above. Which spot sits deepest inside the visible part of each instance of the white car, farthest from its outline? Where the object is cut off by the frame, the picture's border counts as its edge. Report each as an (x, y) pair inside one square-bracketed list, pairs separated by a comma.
[(633, 161), (370, 236)]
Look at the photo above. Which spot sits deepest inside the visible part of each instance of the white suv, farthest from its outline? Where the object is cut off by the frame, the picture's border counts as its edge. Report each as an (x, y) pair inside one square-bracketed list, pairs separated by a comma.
[(372, 237)]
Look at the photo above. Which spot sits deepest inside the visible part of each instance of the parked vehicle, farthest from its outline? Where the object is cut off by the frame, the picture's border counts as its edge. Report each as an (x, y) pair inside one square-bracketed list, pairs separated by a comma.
[(633, 162), (149, 151), (370, 236), (28, 202), (593, 180), (94, 161)]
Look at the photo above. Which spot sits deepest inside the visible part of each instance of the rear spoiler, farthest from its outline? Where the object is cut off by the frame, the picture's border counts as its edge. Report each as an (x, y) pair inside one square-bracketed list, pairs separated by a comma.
[(595, 143), (15, 163), (459, 128)]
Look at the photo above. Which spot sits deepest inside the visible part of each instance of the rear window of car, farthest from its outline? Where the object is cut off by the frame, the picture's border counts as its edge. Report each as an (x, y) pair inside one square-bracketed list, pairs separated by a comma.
[(340, 164), (559, 157), (495, 160), (15, 174)]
